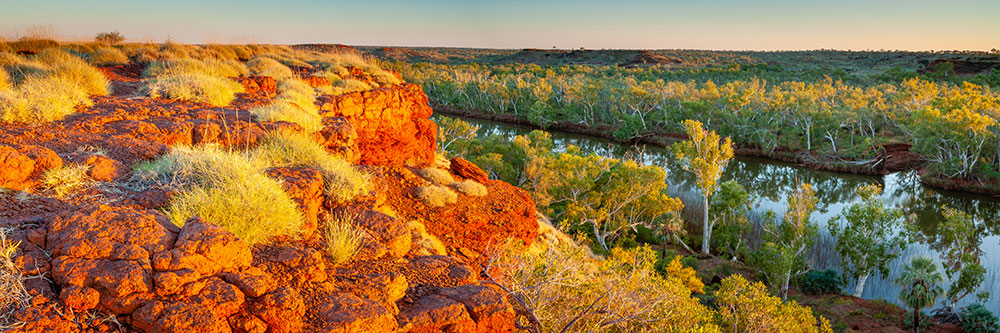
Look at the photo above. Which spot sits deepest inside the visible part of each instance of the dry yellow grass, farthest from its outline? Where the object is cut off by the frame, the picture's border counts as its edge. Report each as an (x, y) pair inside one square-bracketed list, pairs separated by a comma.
[(424, 244), (66, 180), (342, 181), (269, 67), (227, 188), (294, 104), (46, 87), (200, 88), (436, 195), (470, 187), (344, 239), (107, 56), (13, 295), (436, 176)]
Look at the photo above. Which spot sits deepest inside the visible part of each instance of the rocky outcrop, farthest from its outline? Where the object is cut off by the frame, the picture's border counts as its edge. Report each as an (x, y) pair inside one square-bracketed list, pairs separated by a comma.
[(392, 124), (112, 254)]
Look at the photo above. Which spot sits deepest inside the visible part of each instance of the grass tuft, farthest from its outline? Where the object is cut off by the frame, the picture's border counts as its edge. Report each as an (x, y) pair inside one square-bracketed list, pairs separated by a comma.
[(227, 188), (209, 67), (13, 294), (436, 176), (269, 67), (344, 239), (436, 195), (470, 187), (294, 104), (342, 181), (108, 56), (46, 87), (200, 88), (66, 180)]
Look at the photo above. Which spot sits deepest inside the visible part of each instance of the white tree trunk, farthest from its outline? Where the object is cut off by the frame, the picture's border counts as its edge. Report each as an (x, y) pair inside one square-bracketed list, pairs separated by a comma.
[(858, 289), (706, 239)]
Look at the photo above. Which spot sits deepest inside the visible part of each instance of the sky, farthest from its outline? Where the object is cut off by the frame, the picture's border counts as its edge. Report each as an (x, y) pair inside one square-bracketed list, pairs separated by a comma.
[(567, 24)]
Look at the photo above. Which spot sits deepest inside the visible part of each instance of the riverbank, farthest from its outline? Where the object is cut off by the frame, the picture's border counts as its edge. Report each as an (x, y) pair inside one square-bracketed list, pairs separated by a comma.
[(893, 158)]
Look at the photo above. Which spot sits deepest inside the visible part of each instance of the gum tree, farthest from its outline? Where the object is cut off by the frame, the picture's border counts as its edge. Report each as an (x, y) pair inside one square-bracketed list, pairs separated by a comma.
[(961, 240), (870, 239), (705, 156), (782, 255)]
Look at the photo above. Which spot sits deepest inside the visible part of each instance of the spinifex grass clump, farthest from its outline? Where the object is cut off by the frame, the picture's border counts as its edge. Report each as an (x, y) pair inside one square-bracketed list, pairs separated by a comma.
[(107, 56), (269, 67), (205, 81), (13, 294), (344, 238), (227, 188), (342, 182), (67, 179), (46, 87), (294, 104)]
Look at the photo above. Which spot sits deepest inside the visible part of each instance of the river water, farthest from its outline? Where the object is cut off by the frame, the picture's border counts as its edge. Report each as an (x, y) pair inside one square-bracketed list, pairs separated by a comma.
[(770, 182)]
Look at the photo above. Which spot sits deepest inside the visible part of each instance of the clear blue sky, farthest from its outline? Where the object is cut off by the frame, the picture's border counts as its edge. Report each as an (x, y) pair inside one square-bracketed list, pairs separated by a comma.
[(695, 24)]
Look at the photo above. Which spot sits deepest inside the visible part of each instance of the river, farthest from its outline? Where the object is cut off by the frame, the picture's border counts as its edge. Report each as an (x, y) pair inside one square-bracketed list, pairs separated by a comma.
[(770, 182)]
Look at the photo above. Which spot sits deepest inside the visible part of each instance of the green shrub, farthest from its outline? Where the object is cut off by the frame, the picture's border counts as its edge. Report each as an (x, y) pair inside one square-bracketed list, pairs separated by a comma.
[(200, 88), (111, 37), (436, 176), (470, 187), (342, 181), (821, 282), (436, 195), (343, 238), (108, 56), (227, 188), (269, 67), (977, 319)]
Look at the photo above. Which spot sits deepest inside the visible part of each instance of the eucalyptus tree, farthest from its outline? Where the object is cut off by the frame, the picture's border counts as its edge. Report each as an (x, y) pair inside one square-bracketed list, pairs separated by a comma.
[(706, 156), (870, 239)]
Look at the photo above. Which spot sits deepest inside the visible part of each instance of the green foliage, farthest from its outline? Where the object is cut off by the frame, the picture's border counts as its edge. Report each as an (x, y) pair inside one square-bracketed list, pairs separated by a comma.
[(110, 37), (821, 282), (705, 155), (960, 238), (921, 285), (227, 188), (730, 205), (871, 237), (781, 257), (747, 307), (977, 319), (453, 129)]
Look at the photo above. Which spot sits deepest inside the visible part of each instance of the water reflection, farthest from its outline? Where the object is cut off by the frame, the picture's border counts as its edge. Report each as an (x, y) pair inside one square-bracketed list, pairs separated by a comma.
[(771, 182)]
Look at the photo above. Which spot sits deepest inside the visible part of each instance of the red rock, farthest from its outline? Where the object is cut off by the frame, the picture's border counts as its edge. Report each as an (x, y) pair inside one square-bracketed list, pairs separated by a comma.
[(487, 306), (154, 198), (391, 122), (349, 313), (390, 235), (339, 138), (204, 248), (105, 169), (305, 186), (256, 83), (253, 281), (316, 81), (157, 316), (466, 170), (282, 310), (436, 313), (21, 167), (79, 298)]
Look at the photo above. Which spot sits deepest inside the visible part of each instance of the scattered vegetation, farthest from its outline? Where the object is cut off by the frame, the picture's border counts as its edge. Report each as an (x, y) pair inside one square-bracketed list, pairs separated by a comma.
[(436, 176), (295, 103), (265, 66), (342, 181), (110, 37), (193, 87), (108, 56), (436, 195), (821, 282), (46, 87), (227, 188), (344, 239), (67, 179)]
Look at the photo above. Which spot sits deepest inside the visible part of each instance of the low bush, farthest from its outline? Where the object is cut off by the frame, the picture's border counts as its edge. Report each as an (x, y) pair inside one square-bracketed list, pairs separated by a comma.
[(436, 195), (67, 179), (39, 99), (436, 176), (344, 239), (821, 282), (976, 318), (227, 188), (269, 67), (346, 86), (76, 71), (200, 88), (470, 187), (342, 181), (746, 306), (108, 56)]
